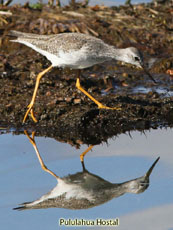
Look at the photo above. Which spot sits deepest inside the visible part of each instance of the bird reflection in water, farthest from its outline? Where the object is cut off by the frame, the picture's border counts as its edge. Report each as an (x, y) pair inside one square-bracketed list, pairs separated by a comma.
[(83, 190)]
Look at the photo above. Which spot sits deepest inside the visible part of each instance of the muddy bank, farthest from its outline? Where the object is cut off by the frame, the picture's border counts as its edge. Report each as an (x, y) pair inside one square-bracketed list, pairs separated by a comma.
[(62, 111)]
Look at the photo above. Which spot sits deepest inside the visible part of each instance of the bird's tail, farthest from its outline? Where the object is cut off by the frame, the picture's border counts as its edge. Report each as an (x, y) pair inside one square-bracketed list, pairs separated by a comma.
[(21, 35), (14, 33), (23, 206)]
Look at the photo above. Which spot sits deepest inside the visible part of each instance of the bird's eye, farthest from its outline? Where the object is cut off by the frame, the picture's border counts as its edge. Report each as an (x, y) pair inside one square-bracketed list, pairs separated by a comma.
[(137, 59)]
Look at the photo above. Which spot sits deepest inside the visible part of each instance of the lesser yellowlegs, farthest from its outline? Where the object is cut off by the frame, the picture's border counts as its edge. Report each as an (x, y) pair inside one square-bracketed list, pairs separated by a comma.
[(84, 190), (76, 51)]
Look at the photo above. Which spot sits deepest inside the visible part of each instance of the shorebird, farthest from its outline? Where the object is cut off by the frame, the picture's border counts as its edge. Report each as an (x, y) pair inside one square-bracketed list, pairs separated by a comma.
[(84, 190), (76, 51)]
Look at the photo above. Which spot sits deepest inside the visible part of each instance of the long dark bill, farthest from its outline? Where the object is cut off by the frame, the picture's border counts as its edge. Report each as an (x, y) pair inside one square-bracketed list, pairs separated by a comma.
[(151, 168), (149, 75)]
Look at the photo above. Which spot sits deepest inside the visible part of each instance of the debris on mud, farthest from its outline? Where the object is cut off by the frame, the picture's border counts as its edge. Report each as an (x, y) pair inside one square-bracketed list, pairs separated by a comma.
[(62, 111)]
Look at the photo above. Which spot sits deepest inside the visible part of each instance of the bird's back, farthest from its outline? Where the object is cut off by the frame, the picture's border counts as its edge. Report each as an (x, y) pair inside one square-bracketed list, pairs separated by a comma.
[(56, 42), (74, 50)]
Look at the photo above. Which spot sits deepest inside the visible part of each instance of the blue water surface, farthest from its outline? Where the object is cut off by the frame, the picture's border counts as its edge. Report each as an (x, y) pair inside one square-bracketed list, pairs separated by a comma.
[(122, 159)]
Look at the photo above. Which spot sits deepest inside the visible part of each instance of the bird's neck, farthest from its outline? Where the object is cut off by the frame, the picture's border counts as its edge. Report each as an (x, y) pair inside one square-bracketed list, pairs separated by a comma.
[(117, 190), (115, 53), (126, 187)]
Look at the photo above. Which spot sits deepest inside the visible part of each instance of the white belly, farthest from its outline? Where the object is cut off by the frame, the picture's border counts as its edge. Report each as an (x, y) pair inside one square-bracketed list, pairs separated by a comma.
[(79, 59), (75, 59)]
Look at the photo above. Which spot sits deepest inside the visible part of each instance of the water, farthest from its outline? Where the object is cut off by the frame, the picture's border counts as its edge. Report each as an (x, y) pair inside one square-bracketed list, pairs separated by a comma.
[(125, 158), (164, 92), (92, 2)]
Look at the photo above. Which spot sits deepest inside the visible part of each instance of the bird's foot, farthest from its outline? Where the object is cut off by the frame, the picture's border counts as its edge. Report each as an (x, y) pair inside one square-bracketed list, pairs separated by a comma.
[(81, 158), (30, 110), (31, 139), (33, 116), (100, 106)]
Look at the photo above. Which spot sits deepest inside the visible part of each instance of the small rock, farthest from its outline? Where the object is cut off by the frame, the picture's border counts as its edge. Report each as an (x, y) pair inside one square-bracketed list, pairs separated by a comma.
[(77, 101), (48, 93), (68, 99)]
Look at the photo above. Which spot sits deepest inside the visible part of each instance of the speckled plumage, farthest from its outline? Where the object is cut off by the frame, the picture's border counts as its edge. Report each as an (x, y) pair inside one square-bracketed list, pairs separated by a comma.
[(63, 41), (76, 50), (85, 190)]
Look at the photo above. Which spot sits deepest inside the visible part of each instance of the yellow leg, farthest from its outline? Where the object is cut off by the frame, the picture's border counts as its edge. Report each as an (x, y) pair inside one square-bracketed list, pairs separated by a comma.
[(31, 104), (85, 152), (100, 106), (44, 167)]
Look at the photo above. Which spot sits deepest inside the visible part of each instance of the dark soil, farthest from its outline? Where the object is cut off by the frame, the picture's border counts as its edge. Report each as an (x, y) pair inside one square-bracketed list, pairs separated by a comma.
[(62, 111)]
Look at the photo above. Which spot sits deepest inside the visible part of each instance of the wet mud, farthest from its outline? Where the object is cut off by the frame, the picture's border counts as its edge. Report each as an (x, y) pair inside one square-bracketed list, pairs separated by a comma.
[(62, 111)]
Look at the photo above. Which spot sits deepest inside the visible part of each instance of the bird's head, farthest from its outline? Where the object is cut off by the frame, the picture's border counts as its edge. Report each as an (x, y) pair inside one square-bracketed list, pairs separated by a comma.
[(133, 56), (140, 184)]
